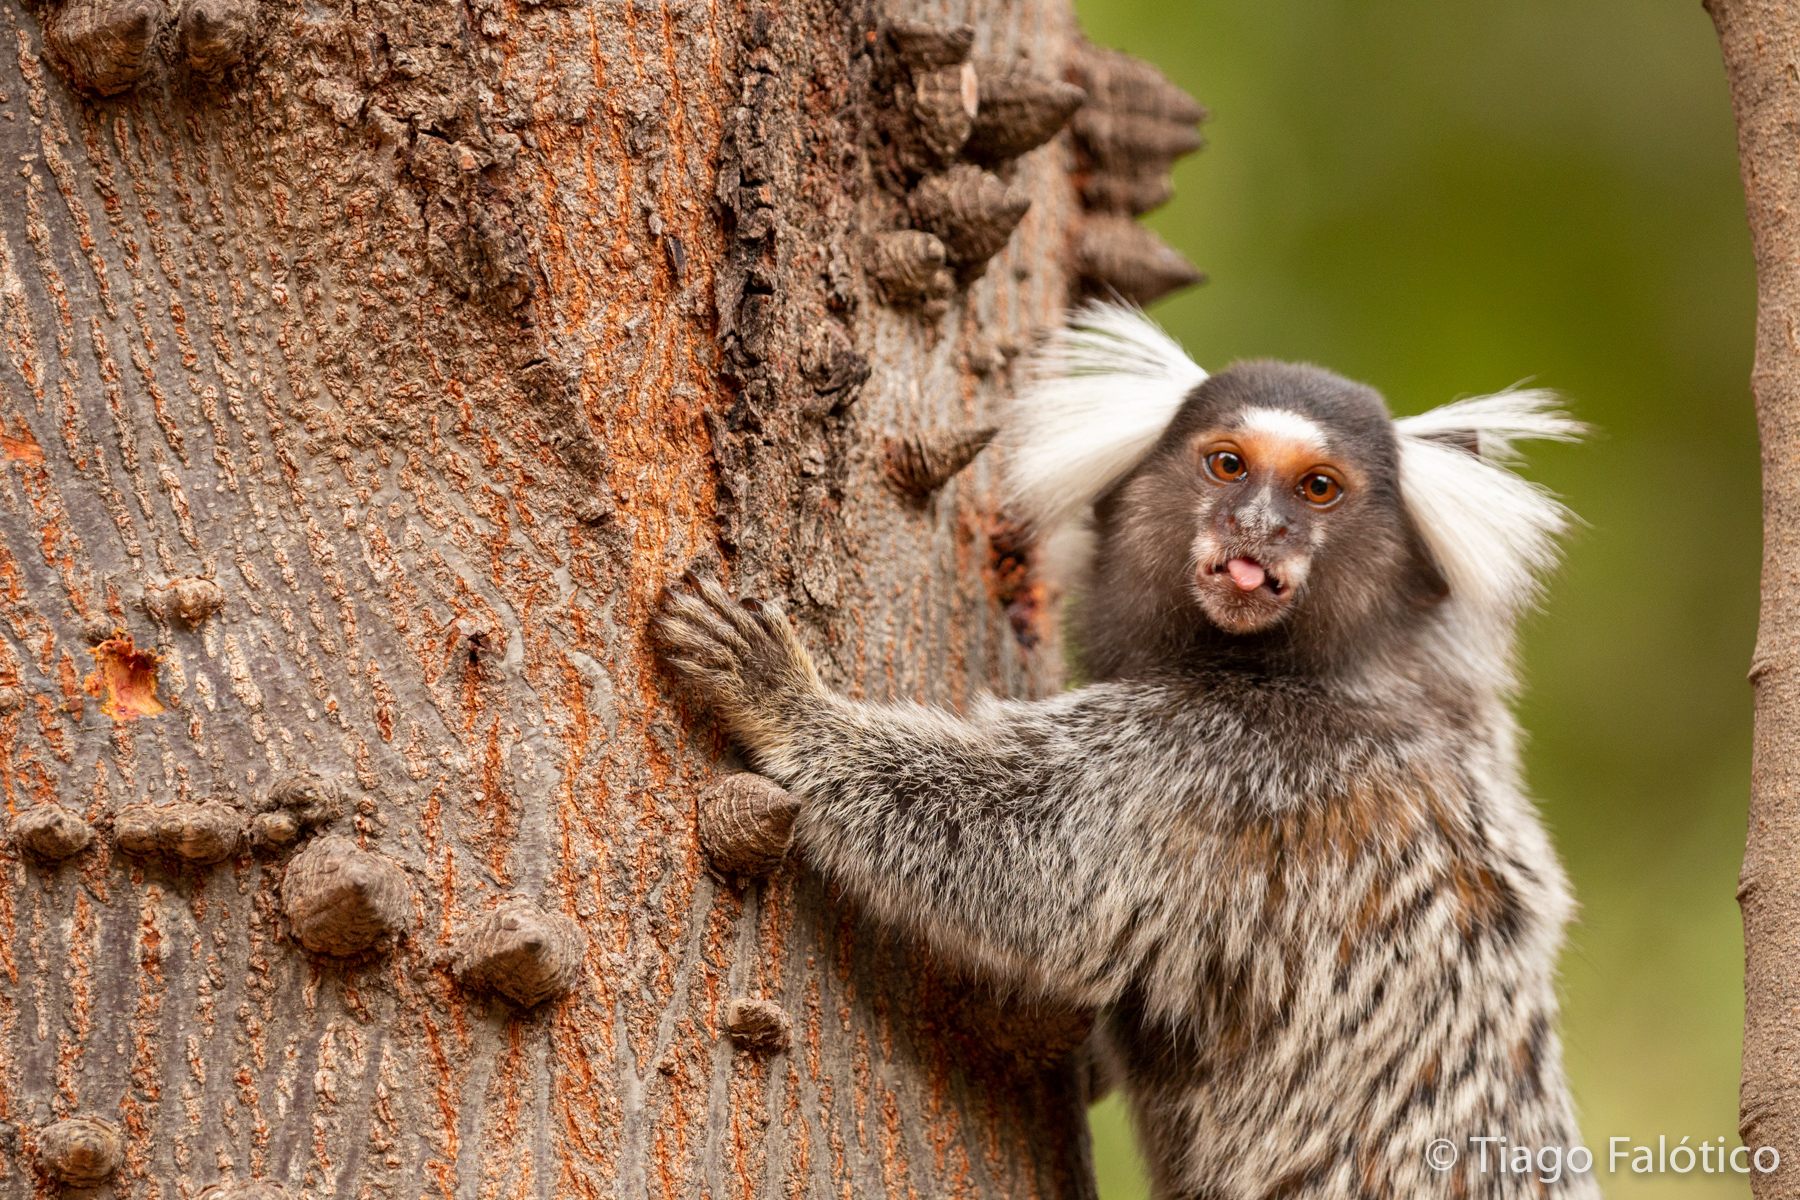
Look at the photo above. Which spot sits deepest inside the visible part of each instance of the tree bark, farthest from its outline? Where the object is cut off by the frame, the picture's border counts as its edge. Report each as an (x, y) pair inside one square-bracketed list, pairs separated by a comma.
[(367, 372), (1761, 44)]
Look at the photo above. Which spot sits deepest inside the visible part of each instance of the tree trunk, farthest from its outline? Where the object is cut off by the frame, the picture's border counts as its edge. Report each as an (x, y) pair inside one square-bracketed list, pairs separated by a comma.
[(1761, 44), (368, 371)]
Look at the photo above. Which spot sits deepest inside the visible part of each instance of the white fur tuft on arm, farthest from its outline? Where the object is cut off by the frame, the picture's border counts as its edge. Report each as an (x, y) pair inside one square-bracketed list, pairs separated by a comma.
[(1091, 404)]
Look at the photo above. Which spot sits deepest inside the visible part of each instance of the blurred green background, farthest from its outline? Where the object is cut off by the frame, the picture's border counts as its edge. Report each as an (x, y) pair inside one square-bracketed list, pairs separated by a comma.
[(1442, 198)]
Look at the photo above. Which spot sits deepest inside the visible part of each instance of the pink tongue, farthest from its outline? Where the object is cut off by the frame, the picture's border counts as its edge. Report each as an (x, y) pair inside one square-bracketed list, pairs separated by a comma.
[(1247, 574)]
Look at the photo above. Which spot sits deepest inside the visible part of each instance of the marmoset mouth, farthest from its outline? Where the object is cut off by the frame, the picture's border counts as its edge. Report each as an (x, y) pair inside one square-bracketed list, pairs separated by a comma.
[(1248, 574)]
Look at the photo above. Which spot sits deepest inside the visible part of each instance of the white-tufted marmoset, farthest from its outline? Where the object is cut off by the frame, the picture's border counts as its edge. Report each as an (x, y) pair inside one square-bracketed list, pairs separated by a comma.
[(1281, 838)]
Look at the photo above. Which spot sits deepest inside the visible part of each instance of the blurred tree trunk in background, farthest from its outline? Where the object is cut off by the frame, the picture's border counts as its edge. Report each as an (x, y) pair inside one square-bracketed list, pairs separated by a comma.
[(367, 369), (1761, 44)]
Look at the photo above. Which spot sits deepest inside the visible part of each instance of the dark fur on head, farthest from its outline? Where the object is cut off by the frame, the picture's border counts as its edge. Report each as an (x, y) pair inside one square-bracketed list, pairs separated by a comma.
[(1363, 572)]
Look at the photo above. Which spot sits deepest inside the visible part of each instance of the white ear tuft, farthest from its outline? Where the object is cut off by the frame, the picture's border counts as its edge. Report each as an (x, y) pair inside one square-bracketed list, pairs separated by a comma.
[(1492, 534), (1090, 405), (1498, 421)]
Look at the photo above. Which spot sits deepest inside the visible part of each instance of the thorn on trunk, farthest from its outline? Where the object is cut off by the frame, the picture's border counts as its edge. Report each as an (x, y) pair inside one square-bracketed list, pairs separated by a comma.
[(342, 900), (1130, 142), (80, 1151), (312, 797), (186, 601), (944, 107), (197, 834), (908, 267), (919, 465), (758, 1025), (475, 641), (922, 46), (1018, 112), (274, 830), (51, 833), (1120, 82), (1118, 253), (520, 951), (105, 46), (972, 212), (1130, 132), (746, 823), (215, 33), (1132, 195)]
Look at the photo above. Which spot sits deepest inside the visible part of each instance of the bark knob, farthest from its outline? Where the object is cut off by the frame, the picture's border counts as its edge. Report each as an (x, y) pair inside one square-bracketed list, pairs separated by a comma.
[(273, 830), (1104, 191), (104, 45), (199, 834), (252, 1189), (311, 798), (1118, 253), (51, 832), (1131, 141), (214, 34), (186, 602), (746, 823), (971, 211), (1133, 127), (758, 1024), (919, 465), (1018, 112), (923, 46), (522, 952), (341, 899), (80, 1151), (944, 106), (1122, 82), (908, 267)]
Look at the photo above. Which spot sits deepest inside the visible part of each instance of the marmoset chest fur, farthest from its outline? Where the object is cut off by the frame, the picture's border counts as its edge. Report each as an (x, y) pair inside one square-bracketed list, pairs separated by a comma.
[(1281, 840)]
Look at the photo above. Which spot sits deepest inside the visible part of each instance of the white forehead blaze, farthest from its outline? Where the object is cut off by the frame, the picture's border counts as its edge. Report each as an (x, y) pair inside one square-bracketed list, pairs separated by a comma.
[(1286, 424)]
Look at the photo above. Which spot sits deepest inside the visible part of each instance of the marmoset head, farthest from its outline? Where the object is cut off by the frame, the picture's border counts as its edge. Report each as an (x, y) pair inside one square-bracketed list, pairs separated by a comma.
[(1274, 515), (1268, 510)]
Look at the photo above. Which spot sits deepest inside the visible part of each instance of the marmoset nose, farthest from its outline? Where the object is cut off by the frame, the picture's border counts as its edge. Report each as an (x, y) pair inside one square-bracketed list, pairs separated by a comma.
[(1258, 523)]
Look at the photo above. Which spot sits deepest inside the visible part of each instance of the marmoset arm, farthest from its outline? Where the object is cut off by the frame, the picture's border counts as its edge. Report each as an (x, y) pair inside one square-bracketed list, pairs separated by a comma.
[(1020, 838)]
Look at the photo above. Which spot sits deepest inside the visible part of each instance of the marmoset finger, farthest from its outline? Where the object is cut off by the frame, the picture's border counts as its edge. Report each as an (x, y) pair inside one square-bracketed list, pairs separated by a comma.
[(680, 606), (697, 643), (728, 607)]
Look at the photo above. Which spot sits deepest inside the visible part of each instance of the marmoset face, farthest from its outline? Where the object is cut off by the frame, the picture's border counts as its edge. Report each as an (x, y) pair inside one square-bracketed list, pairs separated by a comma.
[(1272, 489), (1269, 512)]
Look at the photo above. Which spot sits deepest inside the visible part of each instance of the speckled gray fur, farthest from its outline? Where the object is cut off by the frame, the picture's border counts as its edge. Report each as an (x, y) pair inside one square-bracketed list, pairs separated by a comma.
[(1297, 871)]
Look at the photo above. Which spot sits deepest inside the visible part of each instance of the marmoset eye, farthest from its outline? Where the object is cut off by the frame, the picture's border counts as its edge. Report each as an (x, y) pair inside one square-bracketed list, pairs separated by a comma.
[(1226, 466), (1320, 489)]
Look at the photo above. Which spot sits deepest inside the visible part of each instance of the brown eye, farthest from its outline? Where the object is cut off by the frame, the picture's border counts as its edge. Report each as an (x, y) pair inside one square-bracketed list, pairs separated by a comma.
[(1226, 466), (1320, 489)]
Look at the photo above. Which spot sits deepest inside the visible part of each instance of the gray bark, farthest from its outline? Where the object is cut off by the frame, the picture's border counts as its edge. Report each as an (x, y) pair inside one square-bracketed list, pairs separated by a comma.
[(1761, 44)]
